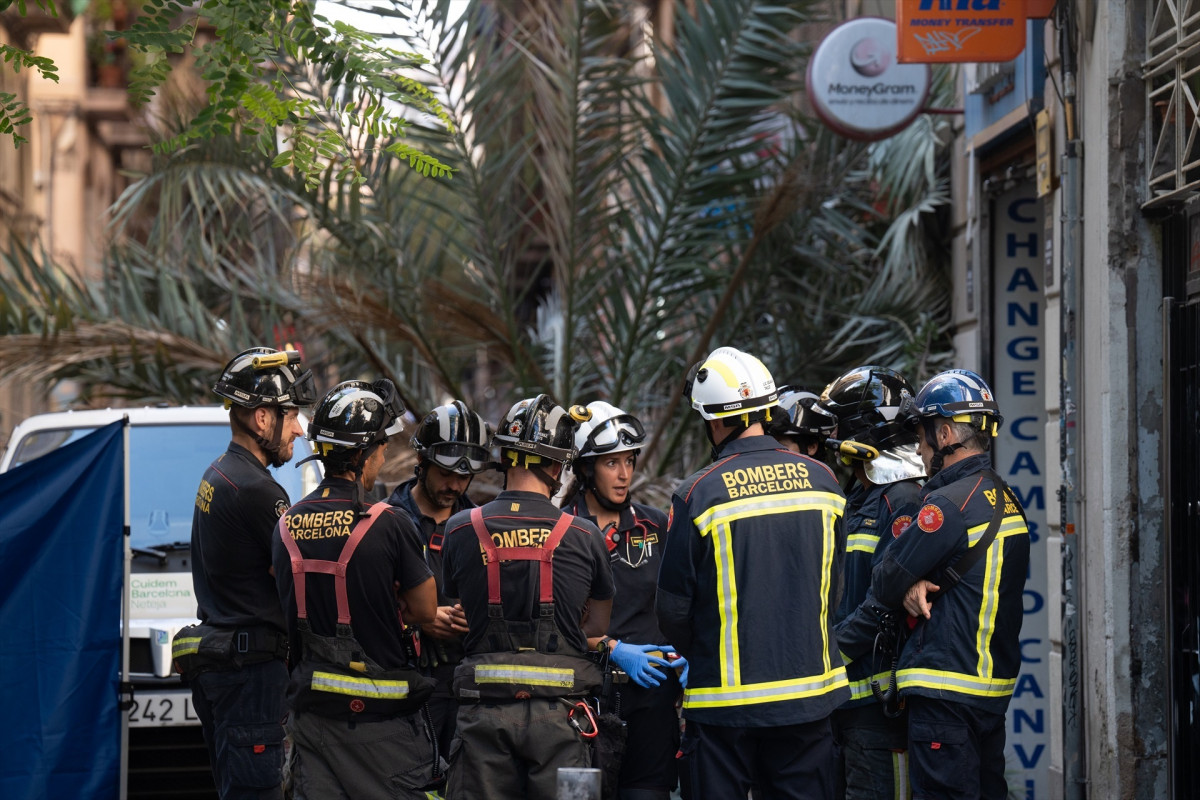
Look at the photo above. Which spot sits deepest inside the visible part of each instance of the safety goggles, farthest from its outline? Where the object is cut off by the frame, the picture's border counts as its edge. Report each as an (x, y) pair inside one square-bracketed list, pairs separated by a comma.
[(622, 431), (460, 458)]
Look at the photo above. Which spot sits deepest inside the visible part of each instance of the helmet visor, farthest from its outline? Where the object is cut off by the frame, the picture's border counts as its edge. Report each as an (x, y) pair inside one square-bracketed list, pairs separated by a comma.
[(460, 458), (624, 431), (303, 391)]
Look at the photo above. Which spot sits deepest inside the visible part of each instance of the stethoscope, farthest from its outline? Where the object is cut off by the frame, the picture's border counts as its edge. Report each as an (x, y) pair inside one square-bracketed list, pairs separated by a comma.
[(614, 537)]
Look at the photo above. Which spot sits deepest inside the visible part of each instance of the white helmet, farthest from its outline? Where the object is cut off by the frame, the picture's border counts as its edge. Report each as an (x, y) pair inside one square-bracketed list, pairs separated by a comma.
[(730, 383), (608, 429)]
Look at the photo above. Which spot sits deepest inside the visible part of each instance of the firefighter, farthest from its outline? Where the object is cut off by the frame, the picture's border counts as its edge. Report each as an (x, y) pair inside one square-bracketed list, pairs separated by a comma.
[(960, 570), (804, 426), (349, 578), (453, 445), (886, 493), (749, 579), (234, 660), (534, 583), (608, 442)]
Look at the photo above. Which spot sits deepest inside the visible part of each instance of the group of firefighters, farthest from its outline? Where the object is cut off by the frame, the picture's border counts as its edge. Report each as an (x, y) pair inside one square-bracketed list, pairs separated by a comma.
[(817, 642)]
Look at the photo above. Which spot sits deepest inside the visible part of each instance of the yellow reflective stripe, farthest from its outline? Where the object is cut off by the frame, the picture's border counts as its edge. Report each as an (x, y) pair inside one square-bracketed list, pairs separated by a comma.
[(1009, 526), (993, 568), (862, 689), (900, 775), (363, 687), (726, 513), (731, 669), (861, 543), (956, 682), (185, 647), (828, 550), (772, 692), (525, 675)]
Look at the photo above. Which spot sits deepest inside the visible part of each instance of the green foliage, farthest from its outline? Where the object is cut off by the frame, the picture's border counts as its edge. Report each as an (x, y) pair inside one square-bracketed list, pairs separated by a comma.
[(14, 113), (617, 208), (249, 90)]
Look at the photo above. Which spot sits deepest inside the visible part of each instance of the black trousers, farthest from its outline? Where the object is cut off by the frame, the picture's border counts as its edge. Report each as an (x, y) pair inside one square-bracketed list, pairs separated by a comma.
[(788, 762), (956, 751)]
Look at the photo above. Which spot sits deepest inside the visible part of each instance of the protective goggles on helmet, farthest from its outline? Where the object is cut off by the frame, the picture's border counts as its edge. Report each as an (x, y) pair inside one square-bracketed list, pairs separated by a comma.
[(458, 457), (625, 430)]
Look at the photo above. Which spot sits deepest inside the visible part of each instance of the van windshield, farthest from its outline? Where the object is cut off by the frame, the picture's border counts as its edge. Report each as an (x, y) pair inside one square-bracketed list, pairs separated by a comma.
[(165, 465)]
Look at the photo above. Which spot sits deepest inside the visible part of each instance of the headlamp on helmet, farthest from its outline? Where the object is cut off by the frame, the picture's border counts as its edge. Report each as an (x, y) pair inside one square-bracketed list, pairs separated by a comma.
[(261, 376)]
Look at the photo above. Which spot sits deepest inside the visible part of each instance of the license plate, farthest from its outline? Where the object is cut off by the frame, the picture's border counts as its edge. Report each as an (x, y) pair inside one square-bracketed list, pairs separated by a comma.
[(158, 709)]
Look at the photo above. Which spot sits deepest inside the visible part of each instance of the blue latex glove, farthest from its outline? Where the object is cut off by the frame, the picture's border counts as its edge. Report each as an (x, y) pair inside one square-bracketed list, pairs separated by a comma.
[(676, 664), (638, 664)]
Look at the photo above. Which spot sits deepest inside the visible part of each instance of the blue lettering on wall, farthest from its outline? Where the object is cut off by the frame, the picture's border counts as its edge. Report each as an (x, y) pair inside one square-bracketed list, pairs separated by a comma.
[(1024, 460), (1036, 599), (1029, 762), (1021, 277), (1027, 684), (1023, 348), (1037, 723), (1036, 643), (1030, 244), (1028, 314), (1014, 428), (1033, 534), (1036, 498), (1024, 383), (1015, 214)]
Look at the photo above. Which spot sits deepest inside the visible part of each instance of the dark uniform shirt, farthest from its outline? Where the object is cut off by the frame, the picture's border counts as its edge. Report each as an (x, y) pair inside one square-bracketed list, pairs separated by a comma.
[(237, 506), (581, 569), (968, 651), (390, 552), (749, 584), (432, 533), (875, 517), (635, 560)]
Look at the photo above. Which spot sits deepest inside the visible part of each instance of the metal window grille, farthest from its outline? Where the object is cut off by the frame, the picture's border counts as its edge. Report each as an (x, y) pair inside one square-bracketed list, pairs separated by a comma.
[(1172, 75)]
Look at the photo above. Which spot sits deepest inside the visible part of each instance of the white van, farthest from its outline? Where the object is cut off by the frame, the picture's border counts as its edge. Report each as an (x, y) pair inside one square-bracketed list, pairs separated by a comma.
[(170, 447)]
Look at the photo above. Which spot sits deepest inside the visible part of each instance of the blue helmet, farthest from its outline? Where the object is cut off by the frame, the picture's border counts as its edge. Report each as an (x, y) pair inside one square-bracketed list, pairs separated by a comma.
[(962, 396)]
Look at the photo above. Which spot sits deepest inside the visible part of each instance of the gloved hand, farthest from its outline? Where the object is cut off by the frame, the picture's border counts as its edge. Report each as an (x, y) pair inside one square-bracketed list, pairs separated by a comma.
[(638, 664), (676, 663)]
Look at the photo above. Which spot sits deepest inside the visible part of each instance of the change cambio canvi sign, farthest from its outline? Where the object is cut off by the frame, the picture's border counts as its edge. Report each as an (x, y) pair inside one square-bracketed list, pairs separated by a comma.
[(856, 85)]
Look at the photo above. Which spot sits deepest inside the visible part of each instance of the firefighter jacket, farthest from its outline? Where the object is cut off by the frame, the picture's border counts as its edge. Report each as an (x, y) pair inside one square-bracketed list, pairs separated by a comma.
[(875, 516), (968, 651), (749, 584)]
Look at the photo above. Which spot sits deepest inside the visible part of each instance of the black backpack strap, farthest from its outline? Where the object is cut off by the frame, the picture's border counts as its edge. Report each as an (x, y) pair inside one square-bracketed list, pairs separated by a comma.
[(952, 575)]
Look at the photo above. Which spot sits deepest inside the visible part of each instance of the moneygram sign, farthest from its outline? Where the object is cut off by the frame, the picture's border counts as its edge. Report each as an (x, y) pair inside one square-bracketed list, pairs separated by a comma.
[(857, 86)]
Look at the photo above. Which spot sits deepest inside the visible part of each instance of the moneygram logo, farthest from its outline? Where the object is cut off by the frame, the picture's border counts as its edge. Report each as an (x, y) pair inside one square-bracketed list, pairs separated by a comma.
[(870, 58)]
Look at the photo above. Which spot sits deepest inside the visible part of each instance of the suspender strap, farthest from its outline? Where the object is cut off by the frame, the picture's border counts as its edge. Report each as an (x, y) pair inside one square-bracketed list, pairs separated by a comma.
[(963, 564), (301, 566), (542, 554)]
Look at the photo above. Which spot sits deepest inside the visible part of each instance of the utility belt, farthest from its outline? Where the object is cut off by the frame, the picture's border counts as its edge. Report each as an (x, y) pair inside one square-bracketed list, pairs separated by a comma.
[(350, 694), (205, 648), (508, 677)]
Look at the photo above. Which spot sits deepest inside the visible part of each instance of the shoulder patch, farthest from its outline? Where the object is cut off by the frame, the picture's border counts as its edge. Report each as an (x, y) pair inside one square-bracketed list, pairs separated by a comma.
[(281, 507), (930, 518), (899, 524)]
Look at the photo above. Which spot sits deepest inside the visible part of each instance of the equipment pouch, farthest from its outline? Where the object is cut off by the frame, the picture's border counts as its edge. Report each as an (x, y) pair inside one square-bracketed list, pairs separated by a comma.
[(344, 693), (200, 648), (505, 677)]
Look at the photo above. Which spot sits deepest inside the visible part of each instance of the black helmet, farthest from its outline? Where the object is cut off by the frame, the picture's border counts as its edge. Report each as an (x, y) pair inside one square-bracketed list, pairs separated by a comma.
[(868, 402), (539, 426), (455, 438), (803, 415), (261, 376), (355, 415)]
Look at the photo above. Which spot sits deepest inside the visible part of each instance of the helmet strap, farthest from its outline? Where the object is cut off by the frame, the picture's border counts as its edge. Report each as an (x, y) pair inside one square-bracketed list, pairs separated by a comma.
[(939, 453), (270, 447), (717, 447)]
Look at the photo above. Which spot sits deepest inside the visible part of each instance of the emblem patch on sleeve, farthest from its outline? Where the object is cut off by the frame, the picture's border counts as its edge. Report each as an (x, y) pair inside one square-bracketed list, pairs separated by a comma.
[(900, 524), (930, 518), (281, 506)]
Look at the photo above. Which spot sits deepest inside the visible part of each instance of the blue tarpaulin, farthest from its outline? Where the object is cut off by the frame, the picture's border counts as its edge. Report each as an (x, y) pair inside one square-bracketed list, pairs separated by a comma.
[(61, 567)]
